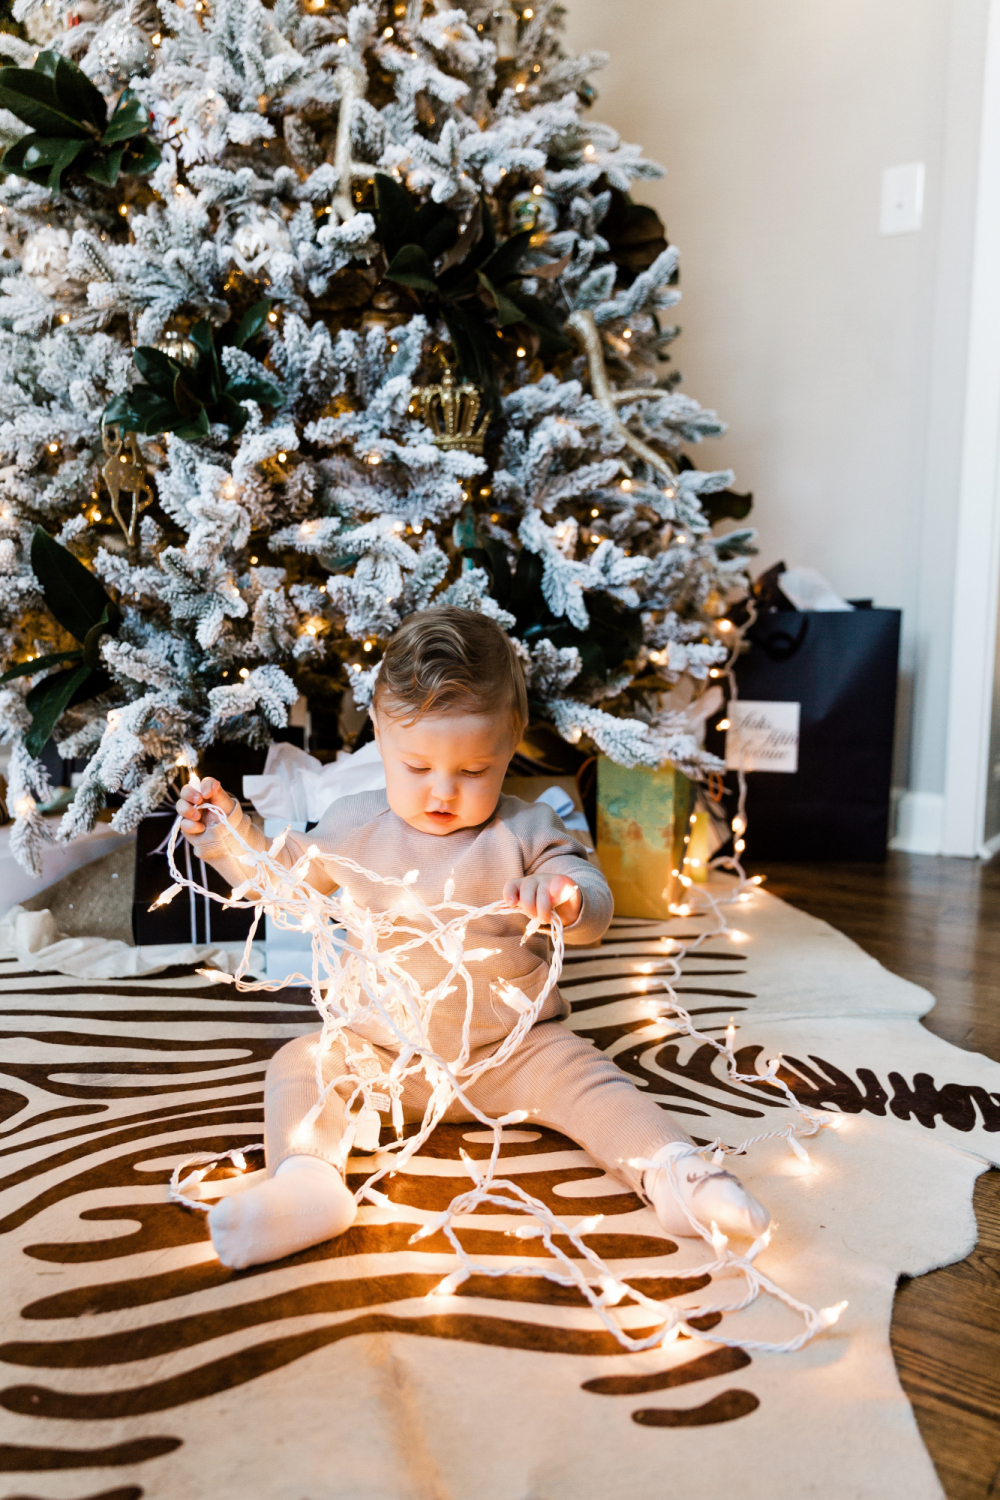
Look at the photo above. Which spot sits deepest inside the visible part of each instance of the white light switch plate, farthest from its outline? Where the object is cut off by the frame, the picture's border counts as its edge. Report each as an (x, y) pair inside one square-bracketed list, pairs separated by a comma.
[(902, 199)]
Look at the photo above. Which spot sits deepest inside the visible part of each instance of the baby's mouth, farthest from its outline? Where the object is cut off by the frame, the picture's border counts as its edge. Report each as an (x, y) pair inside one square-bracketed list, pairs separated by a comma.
[(442, 817)]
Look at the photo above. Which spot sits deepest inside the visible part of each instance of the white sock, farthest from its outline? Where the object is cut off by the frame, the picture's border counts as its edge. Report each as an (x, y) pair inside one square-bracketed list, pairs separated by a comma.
[(706, 1191), (303, 1204)]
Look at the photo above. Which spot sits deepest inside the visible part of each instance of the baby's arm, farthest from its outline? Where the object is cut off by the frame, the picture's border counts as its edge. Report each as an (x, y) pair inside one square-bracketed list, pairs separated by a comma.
[(558, 873), (213, 839)]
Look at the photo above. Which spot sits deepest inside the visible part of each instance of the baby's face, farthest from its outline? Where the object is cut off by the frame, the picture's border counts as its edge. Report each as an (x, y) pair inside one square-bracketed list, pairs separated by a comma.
[(445, 771)]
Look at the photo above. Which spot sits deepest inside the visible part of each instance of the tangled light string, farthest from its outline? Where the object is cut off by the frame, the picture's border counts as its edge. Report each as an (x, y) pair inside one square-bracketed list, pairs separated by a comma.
[(355, 980)]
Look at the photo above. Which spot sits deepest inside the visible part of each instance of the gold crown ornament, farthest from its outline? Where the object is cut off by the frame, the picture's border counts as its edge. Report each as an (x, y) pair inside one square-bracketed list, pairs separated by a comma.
[(450, 411)]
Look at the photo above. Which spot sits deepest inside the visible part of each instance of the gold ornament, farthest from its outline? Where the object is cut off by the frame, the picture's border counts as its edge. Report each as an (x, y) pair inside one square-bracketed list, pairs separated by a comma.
[(177, 346), (125, 471), (450, 411)]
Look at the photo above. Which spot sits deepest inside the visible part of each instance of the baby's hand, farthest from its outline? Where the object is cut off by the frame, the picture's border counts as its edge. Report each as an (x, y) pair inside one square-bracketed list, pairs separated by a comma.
[(538, 894), (190, 805)]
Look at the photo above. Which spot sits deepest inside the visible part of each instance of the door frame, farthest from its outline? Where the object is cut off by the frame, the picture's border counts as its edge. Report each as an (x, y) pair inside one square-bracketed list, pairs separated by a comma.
[(977, 555)]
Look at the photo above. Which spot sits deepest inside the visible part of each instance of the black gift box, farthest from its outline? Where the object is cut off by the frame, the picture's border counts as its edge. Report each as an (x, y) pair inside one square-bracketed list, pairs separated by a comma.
[(188, 918), (841, 667)]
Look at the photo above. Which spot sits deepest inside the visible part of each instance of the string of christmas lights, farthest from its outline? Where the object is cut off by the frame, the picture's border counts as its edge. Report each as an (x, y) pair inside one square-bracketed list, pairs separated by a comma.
[(360, 978)]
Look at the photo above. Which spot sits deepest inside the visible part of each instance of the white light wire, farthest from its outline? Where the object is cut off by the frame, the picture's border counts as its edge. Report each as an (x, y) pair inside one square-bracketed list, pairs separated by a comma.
[(363, 981)]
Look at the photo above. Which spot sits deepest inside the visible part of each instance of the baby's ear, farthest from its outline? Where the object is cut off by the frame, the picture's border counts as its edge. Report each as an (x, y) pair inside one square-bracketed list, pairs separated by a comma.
[(374, 719)]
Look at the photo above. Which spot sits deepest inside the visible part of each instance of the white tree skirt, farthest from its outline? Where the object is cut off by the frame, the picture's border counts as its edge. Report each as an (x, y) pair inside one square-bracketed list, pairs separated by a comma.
[(134, 1359)]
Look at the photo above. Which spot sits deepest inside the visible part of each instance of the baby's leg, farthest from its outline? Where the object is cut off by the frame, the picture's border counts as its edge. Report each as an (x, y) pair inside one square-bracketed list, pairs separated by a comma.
[(304, 1200), (566, 1083)]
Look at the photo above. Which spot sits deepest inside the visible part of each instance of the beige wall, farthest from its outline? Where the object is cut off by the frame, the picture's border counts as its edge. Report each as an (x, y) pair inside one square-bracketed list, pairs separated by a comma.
[(836, 355)]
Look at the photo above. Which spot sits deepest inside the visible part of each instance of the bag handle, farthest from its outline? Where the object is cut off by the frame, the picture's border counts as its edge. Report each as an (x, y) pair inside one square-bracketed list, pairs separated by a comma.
[(781, 645)]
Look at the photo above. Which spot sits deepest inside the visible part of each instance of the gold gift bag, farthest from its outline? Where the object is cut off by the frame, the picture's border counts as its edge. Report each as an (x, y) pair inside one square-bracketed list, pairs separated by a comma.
[(642, 817)]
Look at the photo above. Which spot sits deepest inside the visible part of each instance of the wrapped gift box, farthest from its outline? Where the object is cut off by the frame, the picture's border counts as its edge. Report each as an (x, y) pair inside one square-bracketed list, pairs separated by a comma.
[(188, 918), (642, 819)]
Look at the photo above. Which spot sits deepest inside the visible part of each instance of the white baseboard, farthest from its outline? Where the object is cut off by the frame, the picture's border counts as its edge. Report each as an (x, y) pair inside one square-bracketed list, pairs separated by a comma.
[(918, 823)]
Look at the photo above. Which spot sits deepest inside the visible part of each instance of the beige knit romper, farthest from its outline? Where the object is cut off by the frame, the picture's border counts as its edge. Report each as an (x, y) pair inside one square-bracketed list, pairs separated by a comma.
[(560, 1079)]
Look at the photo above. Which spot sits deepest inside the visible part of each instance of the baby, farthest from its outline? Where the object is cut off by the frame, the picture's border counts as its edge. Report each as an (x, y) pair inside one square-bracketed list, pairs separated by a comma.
[(448, 710)]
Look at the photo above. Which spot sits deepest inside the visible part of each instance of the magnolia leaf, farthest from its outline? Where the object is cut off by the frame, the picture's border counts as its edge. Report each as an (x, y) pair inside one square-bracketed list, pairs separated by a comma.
[(252, 323), (507, 311), (73, 595), (106, 166), (142, 156), (264, 391), (130, 119), (74, 90), (32, 97), (141, 410), (29, 668), (156, 368), (395, 215), (189, 430), (106, 625), (229, 410), (41, 159), (503, 262), (47, 701), (411, 266)]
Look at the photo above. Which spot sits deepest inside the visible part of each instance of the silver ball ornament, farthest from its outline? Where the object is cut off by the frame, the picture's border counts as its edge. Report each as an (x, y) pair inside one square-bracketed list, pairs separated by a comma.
[(123, 50), (533, 211)]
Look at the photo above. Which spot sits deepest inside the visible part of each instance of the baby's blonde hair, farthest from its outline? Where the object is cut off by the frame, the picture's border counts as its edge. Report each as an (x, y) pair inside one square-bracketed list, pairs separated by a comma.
[(447, 661)]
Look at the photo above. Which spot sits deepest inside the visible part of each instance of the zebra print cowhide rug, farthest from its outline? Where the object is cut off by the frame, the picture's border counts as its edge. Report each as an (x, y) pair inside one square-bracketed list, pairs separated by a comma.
[(134, 1365)]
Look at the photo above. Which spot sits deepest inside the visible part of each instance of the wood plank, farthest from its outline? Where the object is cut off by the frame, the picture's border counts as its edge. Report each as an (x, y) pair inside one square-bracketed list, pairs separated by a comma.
[(936, 922)]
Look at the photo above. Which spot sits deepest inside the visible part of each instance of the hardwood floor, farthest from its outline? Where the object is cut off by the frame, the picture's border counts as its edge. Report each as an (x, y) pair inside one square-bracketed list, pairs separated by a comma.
[(936, 922)]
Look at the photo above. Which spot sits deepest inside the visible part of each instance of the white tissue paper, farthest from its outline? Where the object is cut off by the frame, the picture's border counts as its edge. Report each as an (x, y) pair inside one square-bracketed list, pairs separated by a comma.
[(298, 788), (295, 790), (808, 589)]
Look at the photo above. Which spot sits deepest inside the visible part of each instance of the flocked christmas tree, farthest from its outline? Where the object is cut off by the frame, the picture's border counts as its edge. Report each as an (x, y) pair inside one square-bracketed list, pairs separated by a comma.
[(368, 286)]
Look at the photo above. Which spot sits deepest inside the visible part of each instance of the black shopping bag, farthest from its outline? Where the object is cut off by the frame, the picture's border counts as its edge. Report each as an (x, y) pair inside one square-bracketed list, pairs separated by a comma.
[(841, 668), (189, 918)]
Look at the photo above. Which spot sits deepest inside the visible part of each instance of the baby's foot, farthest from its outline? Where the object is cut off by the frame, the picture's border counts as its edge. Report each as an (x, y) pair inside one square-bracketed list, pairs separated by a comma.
[(303, 1204), (706, 1191)]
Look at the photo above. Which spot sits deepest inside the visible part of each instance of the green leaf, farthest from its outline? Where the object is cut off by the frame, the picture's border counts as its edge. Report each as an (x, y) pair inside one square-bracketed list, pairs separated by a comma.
[(129, 119), (185, 400), (47, 701), (74, 90), (252, 323), (29, 668), (504, 261), (507, 311), (41, 159), (436, 228), (395, 217), (264, 391), (142, 156), (189, 430), (106, 625), (228, 410), (74, 596), (206, 378), (106, 166), (156, 368), (411, 266), (474, 343), (142, 410), (32, 97)]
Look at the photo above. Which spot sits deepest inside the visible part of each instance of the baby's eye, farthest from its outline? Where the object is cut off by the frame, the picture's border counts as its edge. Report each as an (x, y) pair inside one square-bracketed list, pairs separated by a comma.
[(476, 773), (417, 770)]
